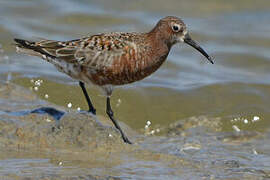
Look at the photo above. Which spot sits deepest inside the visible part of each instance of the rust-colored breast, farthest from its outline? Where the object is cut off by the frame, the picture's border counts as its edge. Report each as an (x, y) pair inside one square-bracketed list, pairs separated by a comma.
[(136, 63)]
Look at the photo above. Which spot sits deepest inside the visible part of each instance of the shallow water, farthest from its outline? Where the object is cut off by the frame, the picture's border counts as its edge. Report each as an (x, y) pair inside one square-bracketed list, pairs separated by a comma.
[(235, 90)]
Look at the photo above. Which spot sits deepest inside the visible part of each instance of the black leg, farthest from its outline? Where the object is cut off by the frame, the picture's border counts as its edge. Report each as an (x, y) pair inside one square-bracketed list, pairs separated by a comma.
[(110, 114), (90, 105)]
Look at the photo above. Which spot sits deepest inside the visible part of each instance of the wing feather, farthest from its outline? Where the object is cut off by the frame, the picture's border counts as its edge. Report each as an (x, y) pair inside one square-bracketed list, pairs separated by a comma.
[(94, 51)]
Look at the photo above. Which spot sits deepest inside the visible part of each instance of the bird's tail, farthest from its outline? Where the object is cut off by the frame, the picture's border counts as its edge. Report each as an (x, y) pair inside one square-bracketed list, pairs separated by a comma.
[(23, 43), (27, 47)]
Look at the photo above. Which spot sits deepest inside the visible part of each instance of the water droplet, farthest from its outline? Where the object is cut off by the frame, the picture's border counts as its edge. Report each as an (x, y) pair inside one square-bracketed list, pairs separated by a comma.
[(48, 120), (255, 118), (118, 102), (236, 128), (254, 152), (38, 83)]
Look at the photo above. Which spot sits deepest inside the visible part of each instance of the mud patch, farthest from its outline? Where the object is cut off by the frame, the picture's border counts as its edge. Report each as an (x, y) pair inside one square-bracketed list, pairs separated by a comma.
[(39, 140)]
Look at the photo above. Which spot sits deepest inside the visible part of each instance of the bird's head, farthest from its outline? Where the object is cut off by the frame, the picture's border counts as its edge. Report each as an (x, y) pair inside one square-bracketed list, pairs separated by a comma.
[(173, 30)]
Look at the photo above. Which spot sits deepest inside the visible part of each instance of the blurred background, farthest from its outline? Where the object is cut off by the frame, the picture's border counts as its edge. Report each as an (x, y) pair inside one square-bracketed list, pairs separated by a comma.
[(235, 33), (211, 121)]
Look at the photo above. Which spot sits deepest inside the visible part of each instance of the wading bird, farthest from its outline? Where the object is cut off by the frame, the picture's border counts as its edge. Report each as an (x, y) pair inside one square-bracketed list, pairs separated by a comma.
[(112, 59)]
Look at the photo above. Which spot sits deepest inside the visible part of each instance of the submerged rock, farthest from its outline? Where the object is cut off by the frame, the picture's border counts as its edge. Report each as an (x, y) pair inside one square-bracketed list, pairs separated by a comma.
[(23, 124)]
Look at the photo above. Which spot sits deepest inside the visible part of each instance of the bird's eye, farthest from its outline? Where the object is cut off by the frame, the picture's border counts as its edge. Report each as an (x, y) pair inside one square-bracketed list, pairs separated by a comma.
[(176, 27)]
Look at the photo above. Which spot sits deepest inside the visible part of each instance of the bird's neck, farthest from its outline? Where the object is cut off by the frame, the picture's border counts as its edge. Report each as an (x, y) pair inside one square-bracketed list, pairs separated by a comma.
[(158, 36), (159, 43), (156, 53)]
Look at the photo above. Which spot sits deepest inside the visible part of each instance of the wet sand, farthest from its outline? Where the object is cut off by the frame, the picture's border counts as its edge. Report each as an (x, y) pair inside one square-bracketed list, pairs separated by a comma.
[(80, 146)]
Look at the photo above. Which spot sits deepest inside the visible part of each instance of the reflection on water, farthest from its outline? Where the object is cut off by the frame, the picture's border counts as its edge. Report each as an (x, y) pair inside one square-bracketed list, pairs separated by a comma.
[(236, 33)]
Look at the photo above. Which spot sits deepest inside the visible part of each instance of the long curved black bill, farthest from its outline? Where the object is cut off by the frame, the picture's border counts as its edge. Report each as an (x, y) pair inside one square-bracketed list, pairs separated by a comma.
[(192, 43)]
